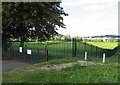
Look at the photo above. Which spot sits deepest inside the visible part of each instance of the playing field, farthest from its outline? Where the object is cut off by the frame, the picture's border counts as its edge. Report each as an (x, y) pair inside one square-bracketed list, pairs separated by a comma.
[(58, 47), (66, 46), (105, 45)]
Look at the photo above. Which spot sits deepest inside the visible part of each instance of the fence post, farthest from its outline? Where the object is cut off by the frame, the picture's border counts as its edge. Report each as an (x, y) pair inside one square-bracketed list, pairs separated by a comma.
[(75, 48), (38, 51), (96, 50), (91, 50), (46, 53), (9, 49), (72, 46), (103, 57), (85, 55), (84, 46)]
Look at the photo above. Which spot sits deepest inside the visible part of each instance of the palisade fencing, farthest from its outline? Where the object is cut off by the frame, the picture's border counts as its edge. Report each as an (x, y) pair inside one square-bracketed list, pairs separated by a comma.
[(35, 52)]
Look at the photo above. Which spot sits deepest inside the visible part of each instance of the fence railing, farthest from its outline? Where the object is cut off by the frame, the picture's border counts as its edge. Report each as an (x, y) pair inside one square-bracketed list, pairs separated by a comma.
[(49, 50)]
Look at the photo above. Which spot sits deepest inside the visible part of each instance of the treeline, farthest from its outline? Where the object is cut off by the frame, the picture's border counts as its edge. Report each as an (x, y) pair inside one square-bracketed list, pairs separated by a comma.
[(79, 38), (102, 40), (68, 38)]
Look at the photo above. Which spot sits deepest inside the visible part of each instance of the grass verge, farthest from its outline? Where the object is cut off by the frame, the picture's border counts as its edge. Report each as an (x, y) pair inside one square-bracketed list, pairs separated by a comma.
[(105, 73)]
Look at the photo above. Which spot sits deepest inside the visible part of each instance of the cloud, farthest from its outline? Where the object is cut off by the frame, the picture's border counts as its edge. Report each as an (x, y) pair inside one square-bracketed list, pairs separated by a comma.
[(86, 2), (93, 17), (92, 23), (94, 7)]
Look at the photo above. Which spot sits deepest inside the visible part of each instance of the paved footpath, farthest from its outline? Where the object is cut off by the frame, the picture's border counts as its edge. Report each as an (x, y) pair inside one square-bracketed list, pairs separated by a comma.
[(12, 64)]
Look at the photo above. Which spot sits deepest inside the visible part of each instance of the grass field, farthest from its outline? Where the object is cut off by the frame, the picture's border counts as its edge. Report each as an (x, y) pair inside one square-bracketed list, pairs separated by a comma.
[(105, 45), (65, 47), (98, 73)]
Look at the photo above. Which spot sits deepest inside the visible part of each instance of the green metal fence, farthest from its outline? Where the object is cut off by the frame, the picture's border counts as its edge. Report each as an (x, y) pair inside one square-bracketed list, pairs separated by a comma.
[(49, 50)]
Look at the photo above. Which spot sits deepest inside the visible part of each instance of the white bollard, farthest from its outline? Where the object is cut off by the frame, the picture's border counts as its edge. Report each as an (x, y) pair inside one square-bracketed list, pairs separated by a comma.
[(85, 55), (20, 49), (103, 57)]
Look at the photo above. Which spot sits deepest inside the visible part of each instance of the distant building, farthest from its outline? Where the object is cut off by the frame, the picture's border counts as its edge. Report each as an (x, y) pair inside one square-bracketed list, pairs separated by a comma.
[(105, 39)]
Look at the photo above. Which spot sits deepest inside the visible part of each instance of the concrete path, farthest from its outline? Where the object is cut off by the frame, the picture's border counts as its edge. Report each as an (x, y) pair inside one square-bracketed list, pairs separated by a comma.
[(12, 64)]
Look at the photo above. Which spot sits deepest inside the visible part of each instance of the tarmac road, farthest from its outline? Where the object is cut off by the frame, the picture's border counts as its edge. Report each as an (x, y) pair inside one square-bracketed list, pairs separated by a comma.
[(12, 64)]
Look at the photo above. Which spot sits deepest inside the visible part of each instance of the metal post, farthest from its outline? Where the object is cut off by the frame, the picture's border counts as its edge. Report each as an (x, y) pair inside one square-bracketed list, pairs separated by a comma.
[(84, 47), (31, 58), (91, 50), (72, 46), (103, 57), (46, 55), (96, 50), (9, 50), (75, 48), (85, 55), (38, 51)]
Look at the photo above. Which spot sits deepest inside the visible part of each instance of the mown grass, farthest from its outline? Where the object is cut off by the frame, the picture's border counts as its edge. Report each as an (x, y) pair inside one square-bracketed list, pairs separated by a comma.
[(105, 45), (106, 73), (62, 48)]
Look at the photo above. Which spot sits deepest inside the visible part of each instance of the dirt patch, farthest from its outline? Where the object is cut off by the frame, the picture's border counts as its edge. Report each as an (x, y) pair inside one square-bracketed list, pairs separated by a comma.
[(61, 66), (52, 67), (85, 63)]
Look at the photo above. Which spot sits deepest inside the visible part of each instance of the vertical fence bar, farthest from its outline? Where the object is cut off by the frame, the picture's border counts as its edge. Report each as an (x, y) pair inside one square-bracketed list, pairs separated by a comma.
[(84, 47), (47, 55), (91, 50), (25, 52), (9, 49), (96, 50), (72, 46), (38, 51), (31, 57), (75, 47)]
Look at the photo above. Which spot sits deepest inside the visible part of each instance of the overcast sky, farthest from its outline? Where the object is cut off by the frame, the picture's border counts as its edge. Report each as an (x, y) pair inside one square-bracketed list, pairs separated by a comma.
[(90, 17)]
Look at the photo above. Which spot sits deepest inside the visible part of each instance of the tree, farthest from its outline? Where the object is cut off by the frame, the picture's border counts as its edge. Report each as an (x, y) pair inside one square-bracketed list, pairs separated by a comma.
[(67, 37), (110, 39), (78, 38), (31, 20), (98, 40)]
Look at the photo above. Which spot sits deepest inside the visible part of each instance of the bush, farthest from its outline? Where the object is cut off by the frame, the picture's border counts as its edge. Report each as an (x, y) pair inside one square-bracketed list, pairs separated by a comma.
[(110, 39), (98, 40)]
